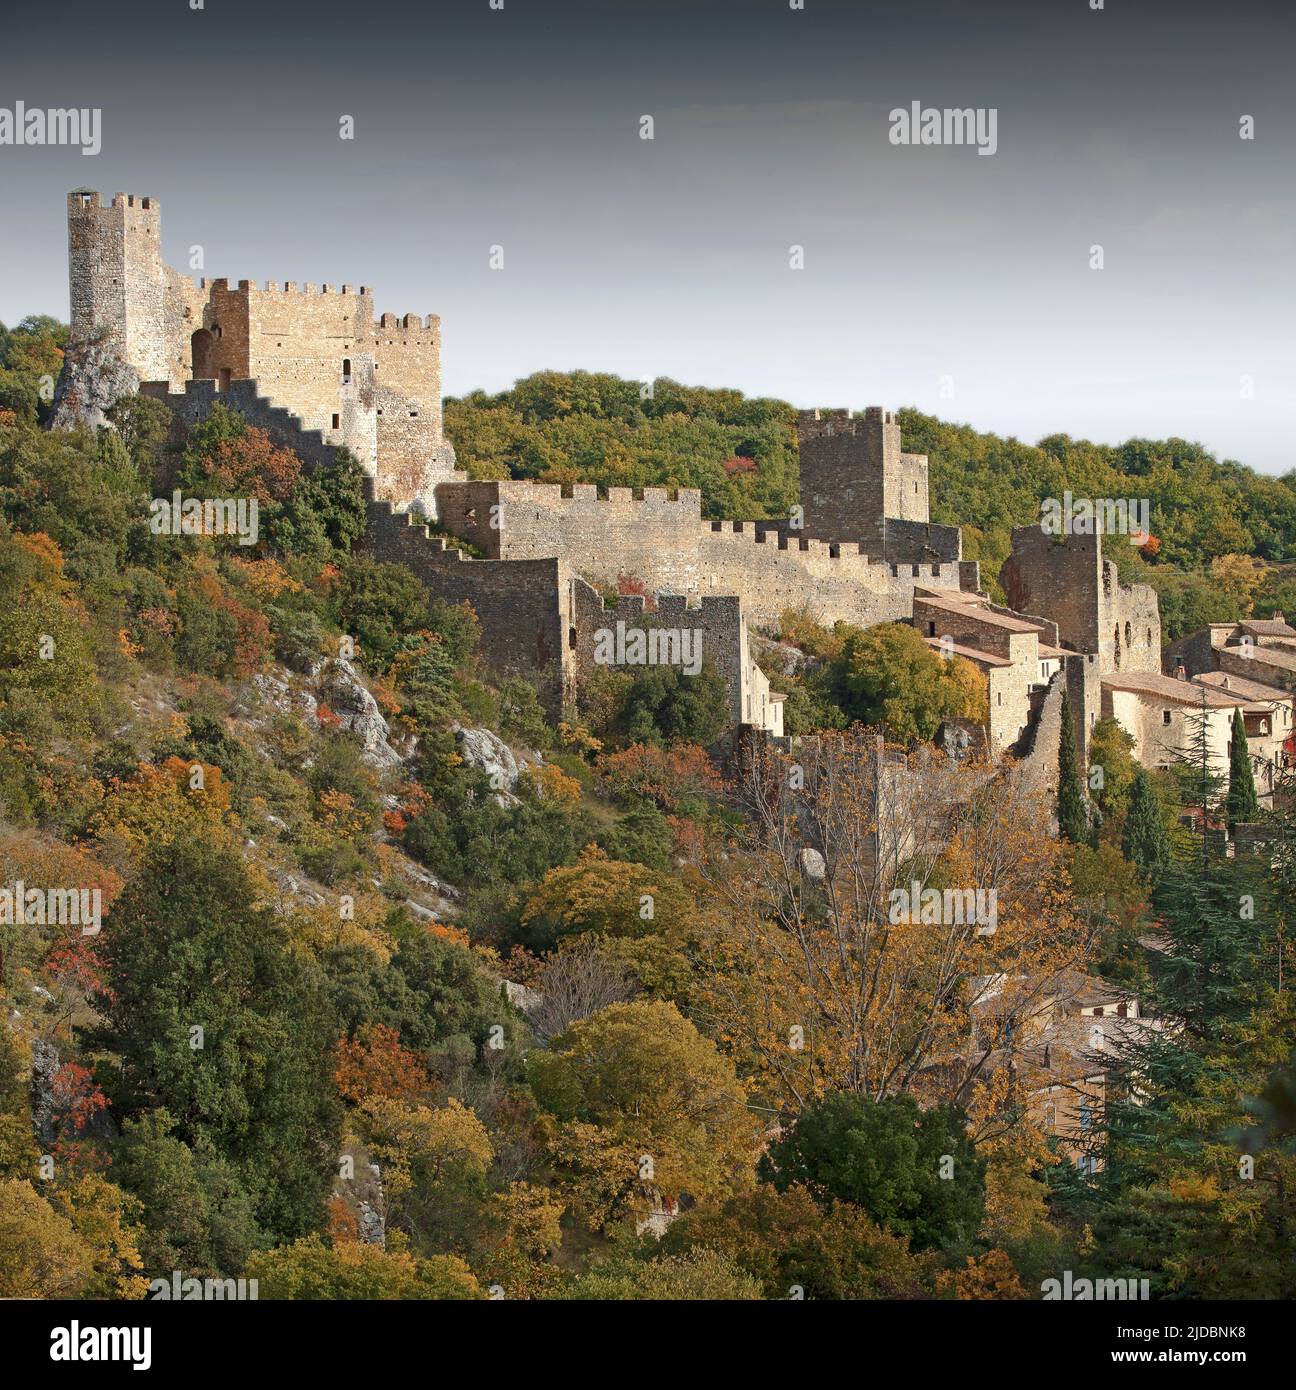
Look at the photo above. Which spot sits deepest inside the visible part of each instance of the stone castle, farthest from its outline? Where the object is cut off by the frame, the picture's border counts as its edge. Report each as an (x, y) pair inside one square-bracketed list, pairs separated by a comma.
[(317, 371), (370, 384)]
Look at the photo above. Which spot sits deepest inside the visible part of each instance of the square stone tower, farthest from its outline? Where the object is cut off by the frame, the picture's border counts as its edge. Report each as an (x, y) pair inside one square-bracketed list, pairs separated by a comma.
[(854, 475)]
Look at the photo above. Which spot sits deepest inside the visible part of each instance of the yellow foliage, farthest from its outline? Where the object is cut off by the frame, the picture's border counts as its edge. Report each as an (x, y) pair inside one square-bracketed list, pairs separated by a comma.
[(425, 1145), (160, 804), (549, 783), (41, 1253), (101, 1214)]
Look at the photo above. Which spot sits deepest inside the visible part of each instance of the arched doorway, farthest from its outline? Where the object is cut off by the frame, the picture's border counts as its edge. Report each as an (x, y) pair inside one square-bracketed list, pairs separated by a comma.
[(203, 346)]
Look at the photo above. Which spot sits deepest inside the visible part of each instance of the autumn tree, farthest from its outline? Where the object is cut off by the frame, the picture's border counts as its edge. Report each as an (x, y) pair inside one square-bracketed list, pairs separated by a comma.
[(698, 1276), (435, 1162), (375, 1064), (824, 978), (312, 1269), (653, 1087), (42, 1255), (575, 981)]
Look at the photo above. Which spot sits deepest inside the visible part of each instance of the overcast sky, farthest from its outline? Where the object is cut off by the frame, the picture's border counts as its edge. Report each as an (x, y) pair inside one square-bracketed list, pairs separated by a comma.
[(927, 269)]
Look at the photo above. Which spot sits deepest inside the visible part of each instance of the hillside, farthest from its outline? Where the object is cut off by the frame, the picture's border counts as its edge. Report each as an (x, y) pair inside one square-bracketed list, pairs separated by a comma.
[(396, 988)]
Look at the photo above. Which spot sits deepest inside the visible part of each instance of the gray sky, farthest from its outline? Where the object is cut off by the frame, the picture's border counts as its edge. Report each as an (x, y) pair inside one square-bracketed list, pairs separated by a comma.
[(925, 267)]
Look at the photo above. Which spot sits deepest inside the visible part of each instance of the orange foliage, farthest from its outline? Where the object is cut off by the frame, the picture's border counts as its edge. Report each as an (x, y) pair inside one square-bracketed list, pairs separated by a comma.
[(446, 932), (343, 1223), (375, 1064), (44, 548), (265, 578), (252, 462), (550, 783), (158, 803), (664, 775)]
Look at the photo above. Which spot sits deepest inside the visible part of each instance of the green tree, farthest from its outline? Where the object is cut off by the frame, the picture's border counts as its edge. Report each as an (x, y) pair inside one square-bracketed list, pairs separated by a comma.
[(665, 705), (914, 1171), (1111, 752), (1241, 803), (216, 1020), (1144, 842), (197, 1216), (887, 675), (785, 1238), (1072, 815)]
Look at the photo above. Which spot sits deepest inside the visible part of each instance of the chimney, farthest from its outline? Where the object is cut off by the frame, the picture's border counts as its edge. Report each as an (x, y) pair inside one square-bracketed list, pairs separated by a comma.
[(1181, 672)]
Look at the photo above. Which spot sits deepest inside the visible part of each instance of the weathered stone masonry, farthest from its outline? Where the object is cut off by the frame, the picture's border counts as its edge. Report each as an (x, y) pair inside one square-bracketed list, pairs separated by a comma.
[(371, 384), (316, 370)]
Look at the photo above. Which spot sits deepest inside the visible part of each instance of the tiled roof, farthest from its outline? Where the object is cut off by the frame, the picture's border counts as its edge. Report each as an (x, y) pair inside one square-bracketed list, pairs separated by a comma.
[(1169, 689), (1241, 685), (979, 612), (974, 654)]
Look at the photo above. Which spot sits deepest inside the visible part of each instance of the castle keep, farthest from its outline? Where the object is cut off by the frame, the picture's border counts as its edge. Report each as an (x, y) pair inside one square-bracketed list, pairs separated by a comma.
[(317, 370), (371, 384)]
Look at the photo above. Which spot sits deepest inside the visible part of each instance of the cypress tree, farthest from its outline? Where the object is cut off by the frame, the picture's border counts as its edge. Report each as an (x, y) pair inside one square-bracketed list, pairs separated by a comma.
[(1144, 842), (1073, 818), (1241, 804)]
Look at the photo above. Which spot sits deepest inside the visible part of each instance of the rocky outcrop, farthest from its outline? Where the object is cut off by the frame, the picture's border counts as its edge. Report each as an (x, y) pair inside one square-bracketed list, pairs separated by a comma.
[(44, 1064), (342, 691), (488, 753), (93, 379), (338, 688), (278, 694)]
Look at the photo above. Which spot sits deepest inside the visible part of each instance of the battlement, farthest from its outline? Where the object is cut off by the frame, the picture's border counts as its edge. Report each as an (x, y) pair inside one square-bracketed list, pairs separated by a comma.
[(825, 424), (84, 200), (527, 491), (779, 537), (291, 287), (418, 326), (720, 607)]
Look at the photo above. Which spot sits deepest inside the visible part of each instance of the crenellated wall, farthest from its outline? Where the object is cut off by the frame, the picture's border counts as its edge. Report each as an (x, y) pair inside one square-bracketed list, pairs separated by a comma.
[(661, 540), (523, 606), (371, 384)]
